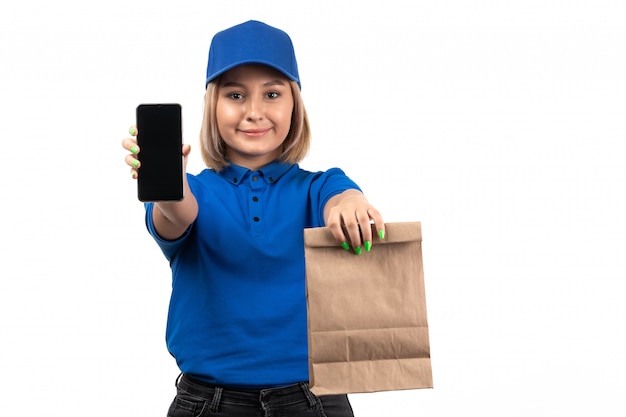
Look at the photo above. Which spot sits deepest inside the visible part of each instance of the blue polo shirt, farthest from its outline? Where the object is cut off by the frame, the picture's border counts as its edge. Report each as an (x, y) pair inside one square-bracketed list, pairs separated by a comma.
[(237, 314)]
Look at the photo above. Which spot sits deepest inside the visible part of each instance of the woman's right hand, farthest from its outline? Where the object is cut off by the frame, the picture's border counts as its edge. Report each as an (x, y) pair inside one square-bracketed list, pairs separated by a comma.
[(171, 219), (130, 144)]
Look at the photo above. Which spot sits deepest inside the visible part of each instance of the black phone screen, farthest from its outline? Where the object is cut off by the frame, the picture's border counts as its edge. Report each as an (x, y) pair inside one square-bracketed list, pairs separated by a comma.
[(160, 152)]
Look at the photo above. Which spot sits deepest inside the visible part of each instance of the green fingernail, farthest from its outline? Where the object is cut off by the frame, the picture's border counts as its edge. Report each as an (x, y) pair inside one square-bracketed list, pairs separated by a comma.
[(134, 149), (357, 250), (368, 246), (381, 234), (135, 163), (345, 245), (132, 131)]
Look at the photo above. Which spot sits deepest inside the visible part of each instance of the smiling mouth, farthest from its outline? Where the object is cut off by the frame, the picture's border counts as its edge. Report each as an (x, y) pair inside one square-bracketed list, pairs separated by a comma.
[(255, 132)]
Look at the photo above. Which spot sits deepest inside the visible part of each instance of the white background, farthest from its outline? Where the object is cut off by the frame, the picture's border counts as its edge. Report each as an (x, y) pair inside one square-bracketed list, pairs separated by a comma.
[(500, 125)]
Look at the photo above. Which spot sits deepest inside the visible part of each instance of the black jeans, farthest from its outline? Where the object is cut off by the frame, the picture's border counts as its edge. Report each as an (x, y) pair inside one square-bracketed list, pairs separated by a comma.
[(198, 399)]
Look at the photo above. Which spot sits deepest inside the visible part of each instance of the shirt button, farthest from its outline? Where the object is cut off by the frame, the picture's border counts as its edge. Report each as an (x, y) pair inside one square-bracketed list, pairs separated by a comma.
[(255, 199), (235, 180), (256, 219), (255, 178), (271, 179)]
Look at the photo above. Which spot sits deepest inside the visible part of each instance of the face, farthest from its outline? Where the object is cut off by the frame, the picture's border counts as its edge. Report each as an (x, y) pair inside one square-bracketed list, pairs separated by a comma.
[(254, 108)]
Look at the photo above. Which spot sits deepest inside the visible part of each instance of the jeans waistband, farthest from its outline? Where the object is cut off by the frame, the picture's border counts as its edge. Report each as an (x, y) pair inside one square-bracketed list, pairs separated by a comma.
[(216, 394)]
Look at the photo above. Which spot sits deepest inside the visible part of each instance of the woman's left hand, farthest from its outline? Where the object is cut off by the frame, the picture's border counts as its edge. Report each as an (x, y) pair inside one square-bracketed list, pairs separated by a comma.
[(349, 217)]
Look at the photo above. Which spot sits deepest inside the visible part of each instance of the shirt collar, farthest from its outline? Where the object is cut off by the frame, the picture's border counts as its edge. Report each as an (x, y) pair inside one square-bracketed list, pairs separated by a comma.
[(236, 174)]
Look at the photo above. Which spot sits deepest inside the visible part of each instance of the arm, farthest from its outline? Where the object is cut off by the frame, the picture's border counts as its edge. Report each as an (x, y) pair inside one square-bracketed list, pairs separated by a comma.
[(171, 219), (348, 216)]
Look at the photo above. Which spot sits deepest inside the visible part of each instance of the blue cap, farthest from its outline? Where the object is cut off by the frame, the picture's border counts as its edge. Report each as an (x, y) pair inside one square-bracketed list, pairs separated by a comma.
[(252, 42)]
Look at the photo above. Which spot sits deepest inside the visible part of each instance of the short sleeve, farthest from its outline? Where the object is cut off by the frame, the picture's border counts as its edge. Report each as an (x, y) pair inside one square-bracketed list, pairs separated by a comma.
[(326, 186), (168, 247)]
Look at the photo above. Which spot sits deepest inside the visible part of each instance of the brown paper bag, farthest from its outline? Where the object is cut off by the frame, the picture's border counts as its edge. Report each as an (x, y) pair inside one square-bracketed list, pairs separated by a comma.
[(368, 328)]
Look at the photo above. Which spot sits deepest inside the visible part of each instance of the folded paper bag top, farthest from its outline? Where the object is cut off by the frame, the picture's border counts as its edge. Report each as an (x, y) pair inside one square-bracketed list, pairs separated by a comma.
[(368, 327)]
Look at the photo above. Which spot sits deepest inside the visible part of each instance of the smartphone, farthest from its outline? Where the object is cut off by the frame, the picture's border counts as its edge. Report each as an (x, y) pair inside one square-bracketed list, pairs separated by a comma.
[(160, 141)]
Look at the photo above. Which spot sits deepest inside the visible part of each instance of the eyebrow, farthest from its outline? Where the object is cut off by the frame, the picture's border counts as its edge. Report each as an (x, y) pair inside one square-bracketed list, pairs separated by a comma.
[(267, 84)]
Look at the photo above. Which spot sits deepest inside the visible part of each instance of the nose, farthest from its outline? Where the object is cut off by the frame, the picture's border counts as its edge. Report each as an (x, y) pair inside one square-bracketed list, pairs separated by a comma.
[(255, 109)]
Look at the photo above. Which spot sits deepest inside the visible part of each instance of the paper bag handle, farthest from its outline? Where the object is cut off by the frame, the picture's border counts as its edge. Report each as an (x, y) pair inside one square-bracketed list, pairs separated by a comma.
[(395, 232)]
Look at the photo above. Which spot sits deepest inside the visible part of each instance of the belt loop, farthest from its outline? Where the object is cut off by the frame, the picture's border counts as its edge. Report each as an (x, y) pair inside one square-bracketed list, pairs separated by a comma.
[(178, 379), (215, 403), (309, 395)]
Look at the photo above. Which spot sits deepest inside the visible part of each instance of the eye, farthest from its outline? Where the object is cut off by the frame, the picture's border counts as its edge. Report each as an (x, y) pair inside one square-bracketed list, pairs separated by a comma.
[(235, 96), (273, 94)]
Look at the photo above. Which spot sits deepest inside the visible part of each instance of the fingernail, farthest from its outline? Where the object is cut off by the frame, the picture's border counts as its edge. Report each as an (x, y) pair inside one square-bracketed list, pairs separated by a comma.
[(357, 250), (135, 163), (134, 175), (368, 246), (132, 131), (381, 234), (345, 245), (134, 149)]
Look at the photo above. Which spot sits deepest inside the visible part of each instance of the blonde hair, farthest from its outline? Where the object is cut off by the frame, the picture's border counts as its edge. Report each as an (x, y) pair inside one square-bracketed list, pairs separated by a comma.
[(213, 148)]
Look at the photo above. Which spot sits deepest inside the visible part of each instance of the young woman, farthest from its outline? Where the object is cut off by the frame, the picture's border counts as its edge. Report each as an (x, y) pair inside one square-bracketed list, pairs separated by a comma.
[(237, 323)]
